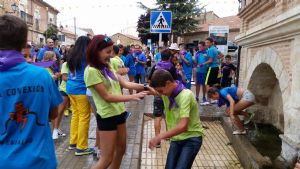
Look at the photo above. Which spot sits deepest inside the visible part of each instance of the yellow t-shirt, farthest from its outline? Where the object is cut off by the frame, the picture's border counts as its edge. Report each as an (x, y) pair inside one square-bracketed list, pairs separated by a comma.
[(64, 70), (93, 76), (50, 71), (116, 63), (187, 108)]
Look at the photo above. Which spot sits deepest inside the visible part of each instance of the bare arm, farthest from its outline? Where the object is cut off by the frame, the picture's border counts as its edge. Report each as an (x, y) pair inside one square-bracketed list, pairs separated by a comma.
[(53, 113), (210, 60), (129, 85), (232, 103), (180, 128), (101, 90)]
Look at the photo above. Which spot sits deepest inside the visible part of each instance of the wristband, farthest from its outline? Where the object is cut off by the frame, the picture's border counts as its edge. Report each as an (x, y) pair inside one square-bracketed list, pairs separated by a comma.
[(146, 87)]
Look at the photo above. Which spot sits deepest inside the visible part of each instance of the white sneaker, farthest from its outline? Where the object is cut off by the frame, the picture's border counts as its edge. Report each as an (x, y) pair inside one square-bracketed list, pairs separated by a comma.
[(98, 154), (60, 133), (237, 132), (55, 134)]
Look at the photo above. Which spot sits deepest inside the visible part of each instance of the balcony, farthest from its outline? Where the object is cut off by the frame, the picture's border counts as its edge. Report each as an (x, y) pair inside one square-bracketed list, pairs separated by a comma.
[(26, 17)]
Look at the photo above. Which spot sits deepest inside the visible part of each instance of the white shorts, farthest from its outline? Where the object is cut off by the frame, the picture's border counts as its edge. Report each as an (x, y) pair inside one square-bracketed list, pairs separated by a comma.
[(248, 96)]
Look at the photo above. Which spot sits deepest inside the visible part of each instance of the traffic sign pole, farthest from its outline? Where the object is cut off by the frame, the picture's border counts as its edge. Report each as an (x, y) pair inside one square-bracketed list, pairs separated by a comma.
[(160, 40)]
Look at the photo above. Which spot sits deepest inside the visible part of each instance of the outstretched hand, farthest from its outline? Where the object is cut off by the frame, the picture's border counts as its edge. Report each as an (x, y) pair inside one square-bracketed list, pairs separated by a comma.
[(153, 142), (139, 96)]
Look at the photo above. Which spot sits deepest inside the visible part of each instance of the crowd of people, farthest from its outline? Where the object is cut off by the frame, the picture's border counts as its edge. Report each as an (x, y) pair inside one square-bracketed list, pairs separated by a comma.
[(39, 86)]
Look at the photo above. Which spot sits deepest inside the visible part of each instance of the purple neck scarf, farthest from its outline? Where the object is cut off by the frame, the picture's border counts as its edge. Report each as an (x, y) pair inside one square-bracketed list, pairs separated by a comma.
[(10, 58), (175, 92), (165, 65), (44, 64), (221, 101), (108, 73), (49, 49)]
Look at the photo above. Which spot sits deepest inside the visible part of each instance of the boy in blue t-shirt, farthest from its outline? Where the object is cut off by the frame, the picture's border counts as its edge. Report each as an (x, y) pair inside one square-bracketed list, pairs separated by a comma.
[(200, 58), (29, 98), (187, 65)]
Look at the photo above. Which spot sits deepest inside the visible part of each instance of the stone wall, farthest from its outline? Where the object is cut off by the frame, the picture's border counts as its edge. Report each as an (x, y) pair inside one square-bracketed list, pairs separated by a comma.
[(270, 67)]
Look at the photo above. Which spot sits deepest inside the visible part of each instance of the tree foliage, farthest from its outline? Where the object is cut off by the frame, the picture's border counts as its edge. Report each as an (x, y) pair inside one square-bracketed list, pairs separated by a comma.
[(51, 32), (184, 17)]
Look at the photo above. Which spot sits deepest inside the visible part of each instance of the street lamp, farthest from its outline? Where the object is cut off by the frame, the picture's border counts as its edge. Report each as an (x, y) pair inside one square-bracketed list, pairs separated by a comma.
[(14, 8)]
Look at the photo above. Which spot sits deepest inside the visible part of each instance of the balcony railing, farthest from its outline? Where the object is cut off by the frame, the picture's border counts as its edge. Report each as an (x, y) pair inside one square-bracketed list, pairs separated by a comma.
[(26, 17)]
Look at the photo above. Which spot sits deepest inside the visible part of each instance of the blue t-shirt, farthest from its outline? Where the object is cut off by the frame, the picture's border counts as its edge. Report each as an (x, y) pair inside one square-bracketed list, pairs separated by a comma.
[(232, 91), (123, 58), (188, 69), (140, 68), (157, 57), (27, 94), (212, 52), (43, 50), (200, 59), (75, 84), (129, 63)]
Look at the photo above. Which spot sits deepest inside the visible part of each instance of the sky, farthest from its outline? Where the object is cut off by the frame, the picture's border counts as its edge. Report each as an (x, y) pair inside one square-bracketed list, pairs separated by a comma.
[(114, 16)]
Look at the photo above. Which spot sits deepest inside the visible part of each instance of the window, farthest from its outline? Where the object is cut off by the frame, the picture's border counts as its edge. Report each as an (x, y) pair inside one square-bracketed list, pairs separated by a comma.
[(61, 38), (37, 24)]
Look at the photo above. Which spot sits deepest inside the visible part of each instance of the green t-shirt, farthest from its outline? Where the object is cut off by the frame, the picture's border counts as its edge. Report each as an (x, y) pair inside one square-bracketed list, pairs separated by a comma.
[(187, 108), (116, 63), (93, 76), (64, 70)]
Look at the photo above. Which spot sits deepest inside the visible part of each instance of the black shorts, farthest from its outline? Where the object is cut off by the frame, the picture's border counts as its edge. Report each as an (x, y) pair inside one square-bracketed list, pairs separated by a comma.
[(110, 123), (63, 93), (158, 106), (212, 76)]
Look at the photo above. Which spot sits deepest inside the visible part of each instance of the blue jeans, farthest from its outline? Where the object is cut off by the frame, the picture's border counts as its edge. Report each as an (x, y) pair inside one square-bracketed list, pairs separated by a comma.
[(182, 154), (139, 78)]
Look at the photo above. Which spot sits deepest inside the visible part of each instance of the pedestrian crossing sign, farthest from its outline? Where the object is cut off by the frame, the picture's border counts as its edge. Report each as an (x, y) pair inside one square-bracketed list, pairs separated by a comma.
[(160, 21)]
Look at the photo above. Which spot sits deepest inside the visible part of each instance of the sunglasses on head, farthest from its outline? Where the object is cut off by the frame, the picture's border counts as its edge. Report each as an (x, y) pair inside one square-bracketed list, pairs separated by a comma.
[(107, 39)]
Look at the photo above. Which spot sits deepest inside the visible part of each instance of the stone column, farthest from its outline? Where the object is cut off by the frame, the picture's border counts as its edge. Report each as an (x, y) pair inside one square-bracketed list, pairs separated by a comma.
[(291, 137)]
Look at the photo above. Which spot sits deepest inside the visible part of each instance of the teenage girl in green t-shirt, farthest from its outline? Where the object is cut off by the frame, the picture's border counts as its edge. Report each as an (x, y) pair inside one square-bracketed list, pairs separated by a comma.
[(105, 86)]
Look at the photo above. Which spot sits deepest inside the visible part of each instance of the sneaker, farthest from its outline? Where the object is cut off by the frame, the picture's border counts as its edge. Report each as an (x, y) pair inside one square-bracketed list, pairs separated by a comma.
[(204, 103), (66, 112), (214, 102), (237, 132), (204, 100), (72, 146), (95, 151), (158, 145), (87, 151), (128, 114), (60, 133), (98, 154), (251, 115), (55, 134), (197, 99)]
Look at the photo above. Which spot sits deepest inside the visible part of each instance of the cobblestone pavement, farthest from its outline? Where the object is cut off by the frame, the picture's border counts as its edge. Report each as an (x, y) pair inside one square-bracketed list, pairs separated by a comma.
[(215, 153), (67, 159)]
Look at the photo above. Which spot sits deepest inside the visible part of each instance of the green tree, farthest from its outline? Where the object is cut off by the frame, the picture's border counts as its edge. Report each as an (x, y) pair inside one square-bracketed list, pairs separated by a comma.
[(51, 32), (184, 14)]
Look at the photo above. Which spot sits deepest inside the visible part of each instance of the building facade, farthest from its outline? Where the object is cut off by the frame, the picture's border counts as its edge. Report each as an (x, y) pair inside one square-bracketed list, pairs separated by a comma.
[(125, 40), (38, 15), (270, 66), (202, 33)]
